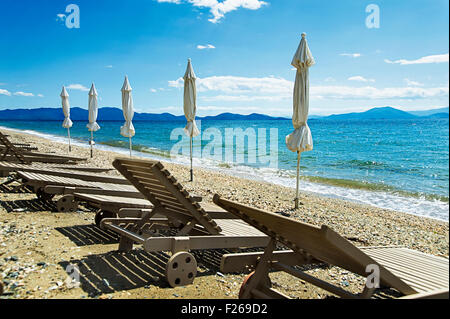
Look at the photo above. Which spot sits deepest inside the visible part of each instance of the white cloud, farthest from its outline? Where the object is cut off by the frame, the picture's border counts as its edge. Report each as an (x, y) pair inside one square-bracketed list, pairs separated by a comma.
[(246, 98), (239, 85), (20, 93), (235, 89), (412, 83), (372, 93), (330, 79), (219, 9), (439, 58), (353, 55), (207, 47), (5, 92), (78, 87), (153, 90), (40, 95), (108, 66), (203, 110), (360, 78)]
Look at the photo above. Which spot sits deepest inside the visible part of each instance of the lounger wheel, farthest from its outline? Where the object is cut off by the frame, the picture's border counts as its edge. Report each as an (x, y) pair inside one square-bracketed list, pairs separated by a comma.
[(247, 280), (103, 214), (67, 203), (181, 269), (42, 195)]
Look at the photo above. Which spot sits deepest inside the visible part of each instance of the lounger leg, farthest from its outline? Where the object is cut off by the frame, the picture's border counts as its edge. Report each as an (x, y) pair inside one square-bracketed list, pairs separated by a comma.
[(261, 271), (125, 244)]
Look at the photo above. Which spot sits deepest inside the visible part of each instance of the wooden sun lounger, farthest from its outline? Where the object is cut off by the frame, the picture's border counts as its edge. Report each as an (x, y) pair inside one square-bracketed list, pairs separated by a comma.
[(7, 167), (44, 174), (38, 181), (174, 209), (22, 146), (11, 153), (412, 273), (11, 149)]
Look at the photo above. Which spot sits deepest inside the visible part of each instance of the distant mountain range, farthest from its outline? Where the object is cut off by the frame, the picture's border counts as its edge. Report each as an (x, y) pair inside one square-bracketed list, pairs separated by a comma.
[(390, 113), (115, 114), (387, 113)]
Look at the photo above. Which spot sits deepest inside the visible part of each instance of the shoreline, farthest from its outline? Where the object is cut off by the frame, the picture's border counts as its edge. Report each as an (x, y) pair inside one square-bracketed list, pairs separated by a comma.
[(32, 235), (396, 200)]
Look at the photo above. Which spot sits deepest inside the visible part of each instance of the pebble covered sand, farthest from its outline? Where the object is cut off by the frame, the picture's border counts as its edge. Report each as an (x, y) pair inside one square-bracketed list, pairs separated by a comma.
[(37, 243)]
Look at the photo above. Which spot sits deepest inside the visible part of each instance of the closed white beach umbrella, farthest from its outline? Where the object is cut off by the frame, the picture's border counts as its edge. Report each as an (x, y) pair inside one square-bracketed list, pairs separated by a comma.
[(301, 139), (66, 110), (93, 111), (190, 107), (127, 130)]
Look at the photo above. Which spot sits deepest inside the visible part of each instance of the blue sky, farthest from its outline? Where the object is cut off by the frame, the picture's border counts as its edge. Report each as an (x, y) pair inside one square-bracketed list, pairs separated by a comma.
[(240, 49)]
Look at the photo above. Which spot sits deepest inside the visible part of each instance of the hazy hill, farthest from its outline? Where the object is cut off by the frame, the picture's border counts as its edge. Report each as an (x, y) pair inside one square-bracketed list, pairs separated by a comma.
[(115, 114), (430, 112), (375, 113)]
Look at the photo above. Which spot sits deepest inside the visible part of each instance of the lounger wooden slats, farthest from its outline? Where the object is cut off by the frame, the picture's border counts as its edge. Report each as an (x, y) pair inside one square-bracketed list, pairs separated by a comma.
[(40, 180), (39, 159), (408, 271), (150, 175), (26, 147), (26, 152), (126, 191), (7, 167), (15, 154), (422, 272), (85, 176), (236, 227)]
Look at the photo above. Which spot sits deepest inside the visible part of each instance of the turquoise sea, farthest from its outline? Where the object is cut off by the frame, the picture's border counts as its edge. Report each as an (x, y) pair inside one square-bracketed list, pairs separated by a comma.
[(396, 164)]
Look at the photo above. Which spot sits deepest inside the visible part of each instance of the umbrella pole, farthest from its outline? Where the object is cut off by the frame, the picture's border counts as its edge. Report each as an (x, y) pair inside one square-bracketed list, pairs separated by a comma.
[(298, 180), (130, 145), (92, 142), (192, 172), (68, 134)]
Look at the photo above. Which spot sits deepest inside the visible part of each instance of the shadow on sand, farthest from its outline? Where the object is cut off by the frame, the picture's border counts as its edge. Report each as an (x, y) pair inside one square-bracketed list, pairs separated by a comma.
[(28, 205), (118, 271), (84, 235)]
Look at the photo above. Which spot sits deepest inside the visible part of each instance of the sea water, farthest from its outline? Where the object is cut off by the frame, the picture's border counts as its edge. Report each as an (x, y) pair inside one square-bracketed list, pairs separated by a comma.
[(394, 164)]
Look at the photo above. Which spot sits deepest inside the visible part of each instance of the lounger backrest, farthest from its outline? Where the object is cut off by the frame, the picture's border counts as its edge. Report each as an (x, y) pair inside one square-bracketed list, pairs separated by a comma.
[(10, 148), (163, 191), (321, 243)]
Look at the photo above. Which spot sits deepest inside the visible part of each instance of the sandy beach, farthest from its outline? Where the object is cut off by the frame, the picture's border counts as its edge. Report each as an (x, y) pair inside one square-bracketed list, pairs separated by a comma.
[(37, 243)]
